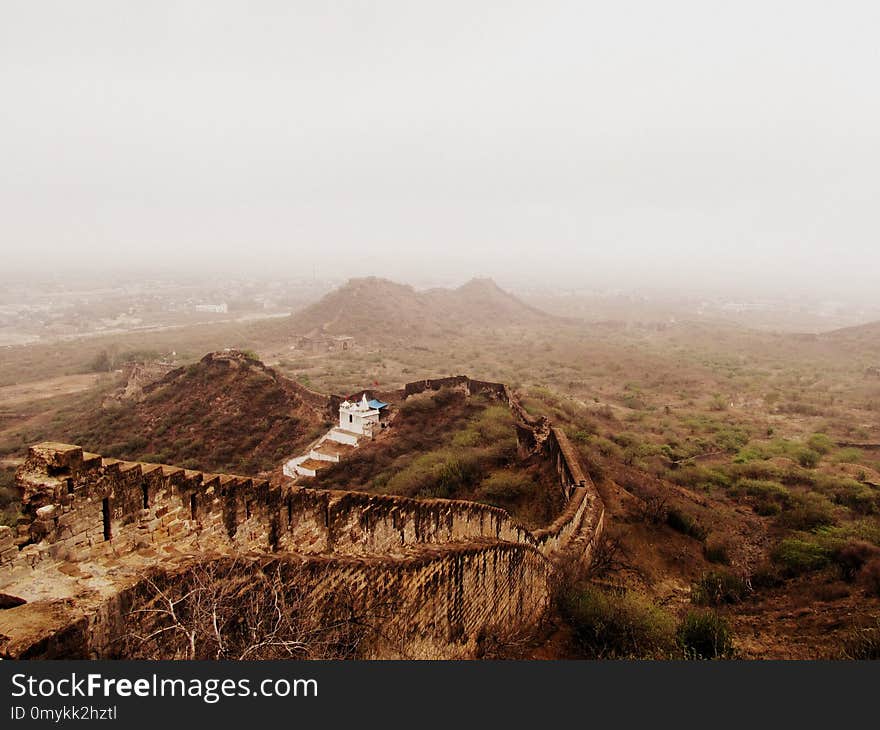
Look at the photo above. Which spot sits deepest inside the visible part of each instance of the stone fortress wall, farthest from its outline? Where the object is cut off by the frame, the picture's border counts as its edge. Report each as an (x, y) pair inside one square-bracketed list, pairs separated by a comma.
[(453, 570)]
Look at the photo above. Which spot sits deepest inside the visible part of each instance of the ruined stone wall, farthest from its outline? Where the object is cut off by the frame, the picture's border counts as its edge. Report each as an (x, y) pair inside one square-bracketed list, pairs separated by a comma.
[(495, 390), (437, 603), (82, 504), (498, 391), (452, 570)]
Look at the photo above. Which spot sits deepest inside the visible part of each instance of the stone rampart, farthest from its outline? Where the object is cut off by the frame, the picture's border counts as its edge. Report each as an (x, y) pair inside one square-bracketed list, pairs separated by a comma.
[(453, 570)]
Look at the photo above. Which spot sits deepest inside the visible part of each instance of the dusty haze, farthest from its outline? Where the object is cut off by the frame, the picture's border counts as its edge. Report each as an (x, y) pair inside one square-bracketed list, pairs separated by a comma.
[(699, 144)]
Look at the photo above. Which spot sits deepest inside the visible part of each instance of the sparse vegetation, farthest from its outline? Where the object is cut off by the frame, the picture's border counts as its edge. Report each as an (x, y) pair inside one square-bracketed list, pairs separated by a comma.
[(797, 555), (618, 625), (705, 635), (720, 451), (719, 587), (685, 524)]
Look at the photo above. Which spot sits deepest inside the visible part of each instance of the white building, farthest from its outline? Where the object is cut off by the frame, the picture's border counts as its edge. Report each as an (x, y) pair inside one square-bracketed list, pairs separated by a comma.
[(359, 417), (356, 421), (221, 308)]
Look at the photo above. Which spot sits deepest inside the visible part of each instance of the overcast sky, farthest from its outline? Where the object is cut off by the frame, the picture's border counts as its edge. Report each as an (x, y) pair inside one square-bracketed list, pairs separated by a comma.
[(686, 142)]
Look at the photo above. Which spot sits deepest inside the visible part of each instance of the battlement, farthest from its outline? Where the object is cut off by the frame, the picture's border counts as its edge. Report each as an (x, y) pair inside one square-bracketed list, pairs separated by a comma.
[(83, 510)]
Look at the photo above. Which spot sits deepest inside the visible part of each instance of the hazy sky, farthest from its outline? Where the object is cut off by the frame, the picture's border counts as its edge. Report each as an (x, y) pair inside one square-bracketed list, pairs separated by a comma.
[(691, 142)]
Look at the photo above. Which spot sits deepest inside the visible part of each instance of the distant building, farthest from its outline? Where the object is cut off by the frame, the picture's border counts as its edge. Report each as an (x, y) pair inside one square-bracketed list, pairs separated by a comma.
[(221, 308), (325, 343)]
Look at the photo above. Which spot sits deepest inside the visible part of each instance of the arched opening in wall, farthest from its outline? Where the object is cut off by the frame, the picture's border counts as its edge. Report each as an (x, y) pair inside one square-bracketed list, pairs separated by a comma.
[(193, 506), (69, 481), (247, 509), (105, 513), (146, 494)]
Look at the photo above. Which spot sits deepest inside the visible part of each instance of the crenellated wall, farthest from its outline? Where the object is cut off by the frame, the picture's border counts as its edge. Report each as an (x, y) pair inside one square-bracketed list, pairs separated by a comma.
[(453, 569)]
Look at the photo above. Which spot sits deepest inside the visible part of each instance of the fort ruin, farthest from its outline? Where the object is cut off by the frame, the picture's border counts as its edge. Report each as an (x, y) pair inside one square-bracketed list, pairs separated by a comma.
[(442, 574)]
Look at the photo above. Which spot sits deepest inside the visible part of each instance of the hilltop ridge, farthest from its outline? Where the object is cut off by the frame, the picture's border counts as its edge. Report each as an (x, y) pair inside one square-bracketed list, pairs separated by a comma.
[(378, 307), (226, 412)]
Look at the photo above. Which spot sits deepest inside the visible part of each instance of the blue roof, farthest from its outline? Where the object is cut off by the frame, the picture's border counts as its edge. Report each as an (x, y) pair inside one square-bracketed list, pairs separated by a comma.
[(377, 404)]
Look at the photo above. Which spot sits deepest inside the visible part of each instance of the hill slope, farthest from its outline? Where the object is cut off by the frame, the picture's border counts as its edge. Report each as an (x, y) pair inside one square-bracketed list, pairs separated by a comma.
[(228, 412), (868, 333), (377, 307), (862, 342)]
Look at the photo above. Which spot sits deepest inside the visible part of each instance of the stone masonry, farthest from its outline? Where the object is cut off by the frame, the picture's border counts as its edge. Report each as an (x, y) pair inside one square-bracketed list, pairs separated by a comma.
[(453, 570)]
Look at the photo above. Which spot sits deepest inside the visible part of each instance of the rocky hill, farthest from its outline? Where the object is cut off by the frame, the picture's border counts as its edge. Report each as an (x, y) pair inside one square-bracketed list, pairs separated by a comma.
[(379, 307), (226, 412)]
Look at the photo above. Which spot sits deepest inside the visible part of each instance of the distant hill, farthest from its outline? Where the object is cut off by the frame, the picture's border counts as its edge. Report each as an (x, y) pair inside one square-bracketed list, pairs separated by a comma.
[(860, 333), (861, 342), (227, 412), (377, 307)]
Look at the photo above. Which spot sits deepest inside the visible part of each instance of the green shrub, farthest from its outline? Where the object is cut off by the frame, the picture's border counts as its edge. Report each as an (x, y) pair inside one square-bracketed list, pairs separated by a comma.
[(748, 454), (495, 423), (769, 496), (607, 448), (718, 403), (766, 508), (686, 524), (457, 473), (863, 529), (719, 587), (705, 635), (505, 485), (764, 488), (807, 512), (848, 456), (763, 450), (698, 477), (856, 496), (439, 473), (755, 470), (820, 443), (716, 553), (808, 458), (135, 445), (731, 439), (796, 556), (615, 624), (465, 438)]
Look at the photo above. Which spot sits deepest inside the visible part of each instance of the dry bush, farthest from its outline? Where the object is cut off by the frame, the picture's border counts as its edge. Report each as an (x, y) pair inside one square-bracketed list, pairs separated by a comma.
[(862, 644), (606, 556), (654, 509), (236, 609), (852, 556), (870, 576)]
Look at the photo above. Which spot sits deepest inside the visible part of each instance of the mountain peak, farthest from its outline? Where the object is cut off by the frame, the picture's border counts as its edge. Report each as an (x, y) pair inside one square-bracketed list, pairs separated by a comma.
[(380, 308)]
